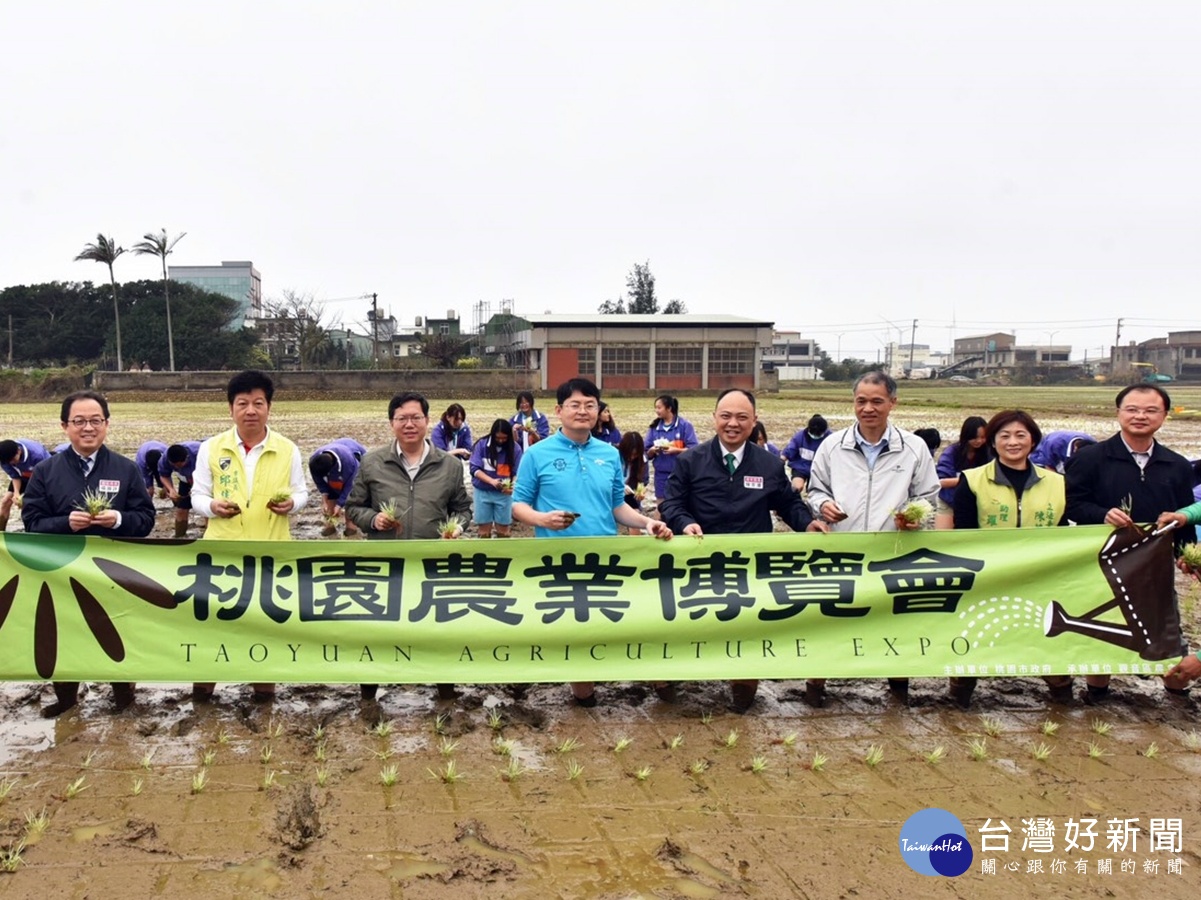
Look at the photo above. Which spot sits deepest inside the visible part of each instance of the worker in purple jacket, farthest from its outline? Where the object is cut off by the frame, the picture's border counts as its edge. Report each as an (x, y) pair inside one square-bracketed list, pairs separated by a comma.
[(148, 457), (333, 468), (179, 460), (17, 459), (1054, 450), (452, 434)]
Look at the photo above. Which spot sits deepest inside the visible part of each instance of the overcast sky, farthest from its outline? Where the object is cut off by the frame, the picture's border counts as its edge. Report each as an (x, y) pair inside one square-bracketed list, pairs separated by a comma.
[(832, 167)]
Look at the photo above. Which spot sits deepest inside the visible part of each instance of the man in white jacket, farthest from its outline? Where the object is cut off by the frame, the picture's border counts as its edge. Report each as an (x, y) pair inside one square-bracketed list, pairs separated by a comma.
[(863, 474)]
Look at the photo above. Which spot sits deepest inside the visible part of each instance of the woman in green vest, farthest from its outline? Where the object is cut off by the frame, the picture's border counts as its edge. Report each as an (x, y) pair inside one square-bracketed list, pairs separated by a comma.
[(1010, 492)]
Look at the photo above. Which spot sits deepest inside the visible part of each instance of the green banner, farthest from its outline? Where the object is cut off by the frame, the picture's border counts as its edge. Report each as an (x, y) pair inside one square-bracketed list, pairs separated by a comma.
[(1010, 602)]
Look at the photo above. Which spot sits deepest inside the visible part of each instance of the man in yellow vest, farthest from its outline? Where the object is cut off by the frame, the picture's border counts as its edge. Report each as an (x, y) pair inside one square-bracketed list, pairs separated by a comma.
[(239, 471)]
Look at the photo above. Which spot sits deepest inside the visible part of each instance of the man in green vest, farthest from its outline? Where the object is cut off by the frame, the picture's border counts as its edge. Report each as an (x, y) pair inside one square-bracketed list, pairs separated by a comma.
[(240, 472)]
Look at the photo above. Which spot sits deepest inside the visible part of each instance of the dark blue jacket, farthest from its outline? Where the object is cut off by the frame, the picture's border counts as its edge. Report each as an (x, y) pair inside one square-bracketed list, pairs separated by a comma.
[(57, 486), (338, 481), (799, 452), (700, 490), (1101, 476)]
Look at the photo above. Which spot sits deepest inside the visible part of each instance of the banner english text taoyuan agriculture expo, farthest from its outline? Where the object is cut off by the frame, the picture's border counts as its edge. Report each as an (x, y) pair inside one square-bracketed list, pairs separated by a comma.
[(1017, 602)]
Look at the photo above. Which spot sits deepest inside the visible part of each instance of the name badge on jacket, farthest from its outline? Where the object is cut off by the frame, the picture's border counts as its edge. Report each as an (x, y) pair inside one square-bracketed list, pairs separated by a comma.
[(752, 482), (109, 487)]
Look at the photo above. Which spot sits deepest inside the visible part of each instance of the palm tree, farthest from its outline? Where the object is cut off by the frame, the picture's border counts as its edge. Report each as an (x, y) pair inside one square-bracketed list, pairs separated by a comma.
[(159, 245), (105, 250)]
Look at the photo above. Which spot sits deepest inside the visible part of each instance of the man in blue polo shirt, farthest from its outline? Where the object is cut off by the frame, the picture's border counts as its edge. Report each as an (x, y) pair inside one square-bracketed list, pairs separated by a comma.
[(571, 484)]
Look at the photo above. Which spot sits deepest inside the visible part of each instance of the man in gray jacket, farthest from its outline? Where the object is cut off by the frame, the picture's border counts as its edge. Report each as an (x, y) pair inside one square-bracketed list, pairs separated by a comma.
[(863, 474), (404, 489)]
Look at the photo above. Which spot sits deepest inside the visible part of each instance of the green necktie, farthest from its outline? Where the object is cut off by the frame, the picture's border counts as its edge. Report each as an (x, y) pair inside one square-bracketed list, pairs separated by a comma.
[(730, 466)]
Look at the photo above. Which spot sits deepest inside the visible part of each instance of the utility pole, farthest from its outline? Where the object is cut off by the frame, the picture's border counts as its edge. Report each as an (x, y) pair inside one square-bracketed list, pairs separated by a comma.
[(1113, 354), (10, 340), (912, 338), (374, 331)]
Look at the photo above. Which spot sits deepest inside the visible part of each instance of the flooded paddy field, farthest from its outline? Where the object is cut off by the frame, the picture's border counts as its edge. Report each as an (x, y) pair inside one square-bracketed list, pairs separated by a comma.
[(511, 791)]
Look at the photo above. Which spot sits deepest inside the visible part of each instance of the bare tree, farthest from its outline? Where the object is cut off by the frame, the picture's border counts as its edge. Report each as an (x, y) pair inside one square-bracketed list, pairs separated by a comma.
[(295, 330)]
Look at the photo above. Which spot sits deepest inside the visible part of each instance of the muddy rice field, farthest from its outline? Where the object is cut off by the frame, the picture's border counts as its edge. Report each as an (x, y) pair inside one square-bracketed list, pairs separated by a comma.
[(511, 791)]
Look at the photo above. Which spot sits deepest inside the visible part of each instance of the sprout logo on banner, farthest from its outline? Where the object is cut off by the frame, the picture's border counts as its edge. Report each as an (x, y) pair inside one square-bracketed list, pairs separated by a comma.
[(934, 842)]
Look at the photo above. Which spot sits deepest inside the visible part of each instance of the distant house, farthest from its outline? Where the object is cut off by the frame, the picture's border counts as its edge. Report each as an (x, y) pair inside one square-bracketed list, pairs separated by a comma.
[(635, 352)]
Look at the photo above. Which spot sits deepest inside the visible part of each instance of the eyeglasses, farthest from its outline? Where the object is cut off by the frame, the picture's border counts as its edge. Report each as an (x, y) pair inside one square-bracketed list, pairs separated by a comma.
[(1146, 411), (578, 407), (80, 422), (408, 420)]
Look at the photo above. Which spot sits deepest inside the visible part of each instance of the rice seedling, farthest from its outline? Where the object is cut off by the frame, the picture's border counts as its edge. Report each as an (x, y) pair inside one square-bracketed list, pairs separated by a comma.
[(916, 511), (10, 858), (676, 742), (319, 752), (1094, 750), (789, 740), (36, 823), (567, 745), (1190, 555), (495, 720), (818, 762), (389, 509), (223, 737), (706, 717), (644, 773), (1192, 740), (937, 755), (76, 787), (265, 754), (574, 770), (1101, 727), (991, 726), (208, 758), (440, 721), (1152, 751), (268, 781), (388, 775), (758, 764), (87, 760), (449, 774), (275, 729), (386, 753), (146, 758), (513, 770), (199, 781), (623, 744), (319, 734), (322, 777), (279, 497), (699, 767), (447, 747), (875, 756), (503, 747), (1049, 728), (978, 749), (1040, 751), (731, 740), (451, 528), (382, 729), (6, 786), (94, 503), (136, 787)]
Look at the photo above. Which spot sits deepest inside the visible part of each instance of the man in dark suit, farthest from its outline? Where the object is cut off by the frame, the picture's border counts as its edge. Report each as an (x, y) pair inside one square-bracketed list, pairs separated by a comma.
[(54, 502), (728, 485)]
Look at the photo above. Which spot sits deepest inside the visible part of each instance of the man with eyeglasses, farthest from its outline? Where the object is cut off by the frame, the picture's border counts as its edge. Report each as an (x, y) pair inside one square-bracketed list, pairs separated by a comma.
[(238, 477), (730, 485), (405, 488), (571, 485), (863, 474), (54, 502), (1130, 478)]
